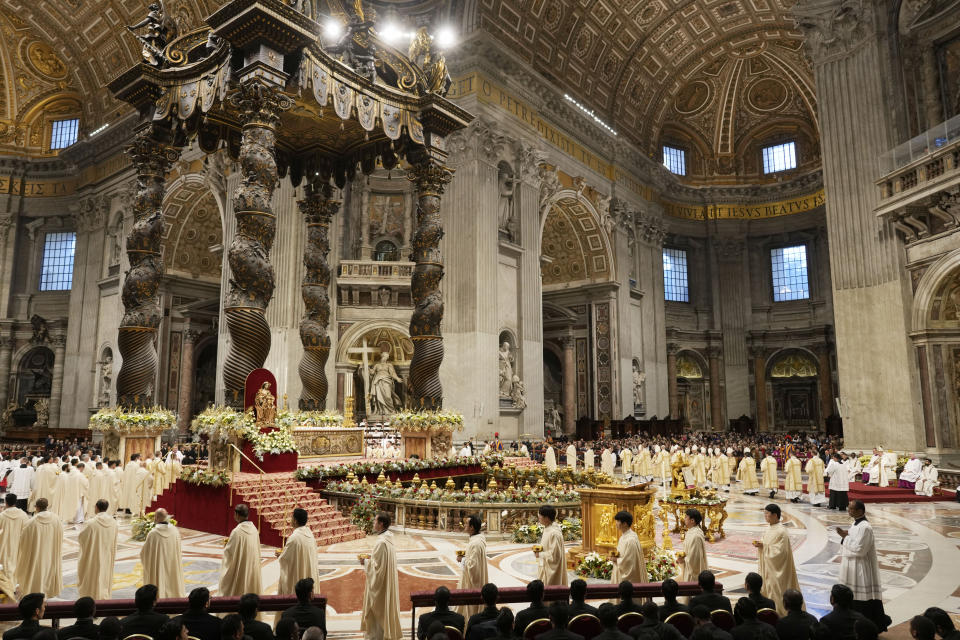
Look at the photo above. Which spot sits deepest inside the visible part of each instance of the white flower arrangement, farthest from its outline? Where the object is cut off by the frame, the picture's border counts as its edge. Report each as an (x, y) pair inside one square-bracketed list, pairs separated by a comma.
[(324, 419), (425, 420), (153, 421)]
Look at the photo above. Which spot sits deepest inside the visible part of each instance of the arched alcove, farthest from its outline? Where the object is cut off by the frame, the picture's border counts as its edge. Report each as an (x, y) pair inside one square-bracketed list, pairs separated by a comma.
[(793, 379), (693, 385)]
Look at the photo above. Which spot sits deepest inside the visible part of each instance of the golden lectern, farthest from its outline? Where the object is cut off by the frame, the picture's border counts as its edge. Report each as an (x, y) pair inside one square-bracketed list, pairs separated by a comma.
[(598, 507)]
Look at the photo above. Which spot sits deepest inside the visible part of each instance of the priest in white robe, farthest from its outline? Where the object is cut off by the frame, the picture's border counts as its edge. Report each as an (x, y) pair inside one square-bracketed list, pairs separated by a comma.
[(550, 459), (473, 563), (694, 558), (768, 472), (552, 558), (747, 474), (160, 557), (661, 464), (40, 553), (629, 563), (928, 480), (12, 522), (101, 488), (816, 491), (911, 473), (380, 616), (855, 467), (130, 498), (240, 569), (793, 480), (775, 562), (67, 494), (115, 473), (588, 459), (839, 475), (98, 551), (298, 560), (144, 490), (572, 457), (859, 567), (44, 482), (626, 461), (606, 462)]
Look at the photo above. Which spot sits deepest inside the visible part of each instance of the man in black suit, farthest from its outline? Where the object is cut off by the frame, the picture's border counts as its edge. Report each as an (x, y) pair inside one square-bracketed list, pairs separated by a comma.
[(535, 611), (670, 589), (651, 628), (249, 607), (704, 627), (31, 608), (707, 596), (797, 623), (843, 619), (559, 616), (484, 624), (145, 621), (578, 593), (608, 618), (84, 611), (626, 604), (306, 614), (944, 623), (753, 582), (750, 628), (198, 621), (441, 613)]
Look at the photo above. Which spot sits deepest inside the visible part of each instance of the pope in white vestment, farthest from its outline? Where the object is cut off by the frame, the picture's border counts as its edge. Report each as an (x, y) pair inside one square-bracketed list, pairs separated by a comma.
[(240, 570), (299, 557), (40, 553), (12, 522), (380, 617), (161, 556), (98, 551), (553, 562), (859, 567), (889, 469), (473, 565)]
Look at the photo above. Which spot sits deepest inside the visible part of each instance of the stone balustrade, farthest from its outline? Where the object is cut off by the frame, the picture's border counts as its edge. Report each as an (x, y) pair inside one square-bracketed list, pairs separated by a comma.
[(377, 284)]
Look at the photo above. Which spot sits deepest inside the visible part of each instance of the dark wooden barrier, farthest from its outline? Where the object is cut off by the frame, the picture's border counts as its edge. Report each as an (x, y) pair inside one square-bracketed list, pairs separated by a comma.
[(507, 595), (55, 611)]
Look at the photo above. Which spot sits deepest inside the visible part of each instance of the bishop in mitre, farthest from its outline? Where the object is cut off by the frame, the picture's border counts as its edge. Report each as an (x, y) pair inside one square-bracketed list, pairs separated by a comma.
[(694, 558), (130, 496), (40, 553), (629, 564), (12, 522), (298, 560), (160, 557), (775, 561), (553, 564), (98, 552), (474, 565), (241, 557), (380, 617)]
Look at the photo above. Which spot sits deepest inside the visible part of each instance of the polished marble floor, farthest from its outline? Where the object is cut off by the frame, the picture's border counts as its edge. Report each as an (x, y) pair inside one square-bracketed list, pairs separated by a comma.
[(917, 545)]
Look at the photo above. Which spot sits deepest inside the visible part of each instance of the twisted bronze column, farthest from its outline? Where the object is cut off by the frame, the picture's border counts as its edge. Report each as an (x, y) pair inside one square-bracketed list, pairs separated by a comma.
[(430, 178), (252, 277), (137, 335), (318, 208)]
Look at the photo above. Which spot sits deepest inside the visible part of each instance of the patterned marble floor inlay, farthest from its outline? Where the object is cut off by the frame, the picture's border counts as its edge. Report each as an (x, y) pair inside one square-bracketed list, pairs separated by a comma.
[(917, 546)]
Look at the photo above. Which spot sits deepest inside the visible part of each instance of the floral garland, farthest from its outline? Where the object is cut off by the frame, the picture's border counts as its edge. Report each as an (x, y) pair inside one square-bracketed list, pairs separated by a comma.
[(326, 419), (398, 466), (142, 525), (426, 493), (593, 565), (205, 477), (118, 420), (571, 528), (661, 564), (695, 500), (226, 423), (447, 421)]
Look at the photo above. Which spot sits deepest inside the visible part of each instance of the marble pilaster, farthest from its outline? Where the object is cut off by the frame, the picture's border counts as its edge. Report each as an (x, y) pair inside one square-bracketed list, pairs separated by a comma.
[(716, 397), (56, 388), (6, 347), (569, 391), (672, 350), (185, 396)]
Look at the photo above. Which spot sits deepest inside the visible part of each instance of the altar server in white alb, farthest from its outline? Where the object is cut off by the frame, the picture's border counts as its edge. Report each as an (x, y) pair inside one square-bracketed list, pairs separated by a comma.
[(928, 479), (474, 564), (839, 474), (553, 561), (859, 568), (629, 564)]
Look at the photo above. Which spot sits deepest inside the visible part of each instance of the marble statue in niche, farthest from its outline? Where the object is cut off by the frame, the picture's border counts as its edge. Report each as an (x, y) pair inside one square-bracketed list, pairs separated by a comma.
[(42, 407), (639, 379), (106, 378), (383, 396), (518, 394), (506, 183), (383, 296), (506, 360)]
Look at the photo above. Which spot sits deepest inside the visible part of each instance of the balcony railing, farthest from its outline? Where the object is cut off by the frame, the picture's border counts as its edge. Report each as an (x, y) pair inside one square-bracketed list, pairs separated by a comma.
[(353, 270), (926, 144)]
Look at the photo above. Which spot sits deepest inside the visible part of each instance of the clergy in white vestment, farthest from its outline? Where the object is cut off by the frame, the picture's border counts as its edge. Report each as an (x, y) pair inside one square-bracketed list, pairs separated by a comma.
[(839, 475), (473, 564), (130, 496), (551, 558), (872, 470), (889, 469), (928, 479), (606, 462), (747, 474), (727, 463), (629, 563), (298, 560), (380, 616), (12, 522), (161, 556), (68, 494), (524, 452), (793, 479), (159, 475), (572, 457), (588, 458), (855, 467), (98, 551), (768, 473), (44, 482), (662, 465), (859, 567), (694, 558), (465, 451), (143, 480), (40, 553), (626, 461), (550, 459), (816, 491), (101, 488), (775, 559), (116, 475), (911, 472), (240, 569), (20, 482)]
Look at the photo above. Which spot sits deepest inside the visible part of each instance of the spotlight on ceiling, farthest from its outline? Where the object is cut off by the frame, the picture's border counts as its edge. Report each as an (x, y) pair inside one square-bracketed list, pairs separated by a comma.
[(332, 29), (445, 37)]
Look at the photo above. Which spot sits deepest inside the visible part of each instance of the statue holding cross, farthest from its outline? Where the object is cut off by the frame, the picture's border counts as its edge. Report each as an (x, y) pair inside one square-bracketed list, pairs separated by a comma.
[(365, 351)]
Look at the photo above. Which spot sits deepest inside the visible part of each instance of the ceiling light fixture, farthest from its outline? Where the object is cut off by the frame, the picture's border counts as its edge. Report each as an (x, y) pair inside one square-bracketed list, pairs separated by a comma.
[(590, 113), (99, 129)]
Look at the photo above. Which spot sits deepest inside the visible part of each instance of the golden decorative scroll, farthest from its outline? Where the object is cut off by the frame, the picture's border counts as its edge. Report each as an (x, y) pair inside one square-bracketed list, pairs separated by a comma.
[(321, 442)]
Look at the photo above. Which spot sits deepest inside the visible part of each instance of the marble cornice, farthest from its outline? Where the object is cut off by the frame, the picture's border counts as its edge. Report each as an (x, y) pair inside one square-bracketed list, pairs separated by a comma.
[(745, 194)]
